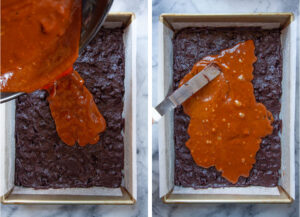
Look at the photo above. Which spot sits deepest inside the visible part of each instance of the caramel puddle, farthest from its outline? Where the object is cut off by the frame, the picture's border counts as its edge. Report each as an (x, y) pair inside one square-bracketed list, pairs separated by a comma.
[(74, 111), (226, 122)]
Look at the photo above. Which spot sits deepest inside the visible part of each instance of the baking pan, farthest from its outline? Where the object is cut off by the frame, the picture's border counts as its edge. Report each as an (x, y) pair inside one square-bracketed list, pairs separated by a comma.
[(126, 194), (285, 191)]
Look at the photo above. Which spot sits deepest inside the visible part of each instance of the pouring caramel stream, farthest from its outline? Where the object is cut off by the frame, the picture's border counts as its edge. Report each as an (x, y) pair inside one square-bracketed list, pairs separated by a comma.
[(39, 44)]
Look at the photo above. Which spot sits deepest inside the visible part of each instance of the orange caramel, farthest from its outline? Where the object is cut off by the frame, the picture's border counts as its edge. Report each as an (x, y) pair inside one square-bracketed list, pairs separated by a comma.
[(74, 111), (40, 42), (226, 123)]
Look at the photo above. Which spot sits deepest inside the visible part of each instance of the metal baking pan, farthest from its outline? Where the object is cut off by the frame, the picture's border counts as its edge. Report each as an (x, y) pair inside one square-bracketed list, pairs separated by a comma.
[(285, 191), (126, 194)]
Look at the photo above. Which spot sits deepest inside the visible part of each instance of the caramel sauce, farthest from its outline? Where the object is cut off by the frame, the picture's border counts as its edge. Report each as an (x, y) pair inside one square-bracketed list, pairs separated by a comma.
[(39, 41), (39, 44), (226, 122), (75, 113)]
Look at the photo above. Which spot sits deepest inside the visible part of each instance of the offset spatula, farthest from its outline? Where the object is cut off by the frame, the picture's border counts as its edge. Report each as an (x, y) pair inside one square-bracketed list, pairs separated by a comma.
[(180, 95)]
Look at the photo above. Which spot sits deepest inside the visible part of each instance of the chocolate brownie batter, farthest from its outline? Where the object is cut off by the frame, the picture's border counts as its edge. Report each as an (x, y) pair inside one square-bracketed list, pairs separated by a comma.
[(192, 44), (42, 159)]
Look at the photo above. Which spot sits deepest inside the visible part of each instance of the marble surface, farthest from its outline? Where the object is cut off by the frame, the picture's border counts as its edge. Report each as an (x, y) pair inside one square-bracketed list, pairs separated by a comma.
[(139, 7), (219, 6)]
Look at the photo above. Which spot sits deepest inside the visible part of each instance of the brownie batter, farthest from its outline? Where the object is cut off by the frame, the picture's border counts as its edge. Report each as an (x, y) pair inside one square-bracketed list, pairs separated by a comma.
[(191, 45), (42, 159)]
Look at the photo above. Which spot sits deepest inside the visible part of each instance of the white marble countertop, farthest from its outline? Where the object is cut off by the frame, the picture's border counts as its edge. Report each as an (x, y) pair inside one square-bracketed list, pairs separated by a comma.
[(139, 7), (218, 6)]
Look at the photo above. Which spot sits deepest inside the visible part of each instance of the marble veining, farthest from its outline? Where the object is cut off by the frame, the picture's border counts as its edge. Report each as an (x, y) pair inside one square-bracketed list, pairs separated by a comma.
[(139, 7), (219, 6)]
